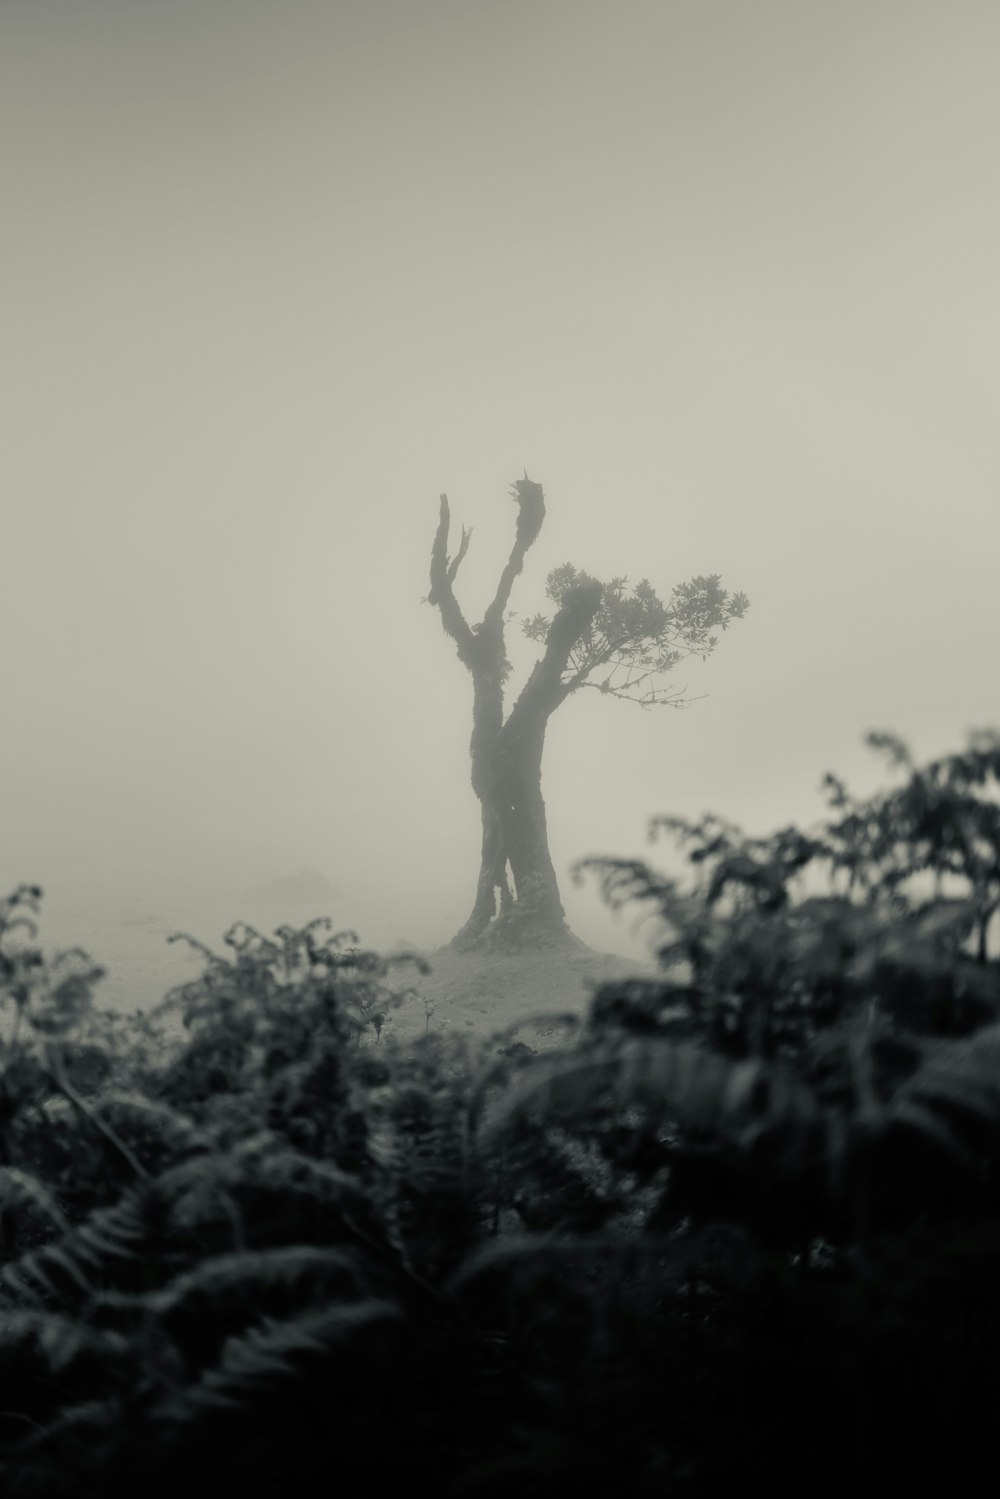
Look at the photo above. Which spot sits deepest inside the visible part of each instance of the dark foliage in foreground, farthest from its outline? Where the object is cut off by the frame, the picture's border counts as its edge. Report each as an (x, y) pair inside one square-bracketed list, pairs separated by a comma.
[(743, 1226)]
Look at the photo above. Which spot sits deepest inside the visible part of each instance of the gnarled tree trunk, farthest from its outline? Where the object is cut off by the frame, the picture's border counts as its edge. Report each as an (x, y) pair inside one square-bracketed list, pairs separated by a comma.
[(517, 901), (517, 892)]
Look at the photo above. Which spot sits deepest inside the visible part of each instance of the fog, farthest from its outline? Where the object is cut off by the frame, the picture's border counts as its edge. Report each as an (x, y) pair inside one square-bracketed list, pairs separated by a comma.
[(274, 275)]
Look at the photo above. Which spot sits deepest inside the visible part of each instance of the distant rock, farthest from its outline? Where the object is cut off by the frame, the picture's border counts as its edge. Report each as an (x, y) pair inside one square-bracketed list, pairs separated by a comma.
[(309, 888)]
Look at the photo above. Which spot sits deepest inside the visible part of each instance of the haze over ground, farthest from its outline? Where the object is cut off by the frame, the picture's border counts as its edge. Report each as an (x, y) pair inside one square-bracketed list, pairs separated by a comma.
[(721, 277)]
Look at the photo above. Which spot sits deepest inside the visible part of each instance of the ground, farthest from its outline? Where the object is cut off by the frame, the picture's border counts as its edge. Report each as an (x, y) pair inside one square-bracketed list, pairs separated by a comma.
[(477, 994)]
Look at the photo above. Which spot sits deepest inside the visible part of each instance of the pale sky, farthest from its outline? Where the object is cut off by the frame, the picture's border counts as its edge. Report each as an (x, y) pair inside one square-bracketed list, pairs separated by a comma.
[(273, 274)]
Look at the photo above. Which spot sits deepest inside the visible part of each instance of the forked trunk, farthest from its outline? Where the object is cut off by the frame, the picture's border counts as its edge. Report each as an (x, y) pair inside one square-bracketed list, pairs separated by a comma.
[(517, 902)]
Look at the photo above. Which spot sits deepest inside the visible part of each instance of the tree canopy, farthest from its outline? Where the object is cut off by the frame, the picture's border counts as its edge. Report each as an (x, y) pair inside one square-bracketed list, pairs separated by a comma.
[(635, 634)]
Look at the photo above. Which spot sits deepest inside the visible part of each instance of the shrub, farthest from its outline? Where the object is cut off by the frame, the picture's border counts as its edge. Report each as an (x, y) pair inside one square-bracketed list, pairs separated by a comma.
[(743, 1226)]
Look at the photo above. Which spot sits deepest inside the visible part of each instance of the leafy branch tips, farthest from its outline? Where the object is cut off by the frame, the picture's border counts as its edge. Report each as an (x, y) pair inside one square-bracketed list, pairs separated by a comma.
[(636, 634)]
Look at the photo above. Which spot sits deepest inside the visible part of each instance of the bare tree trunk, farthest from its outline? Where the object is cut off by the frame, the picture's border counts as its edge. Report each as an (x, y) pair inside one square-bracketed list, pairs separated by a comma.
[(492, 876), (507, 778), (515, 838)]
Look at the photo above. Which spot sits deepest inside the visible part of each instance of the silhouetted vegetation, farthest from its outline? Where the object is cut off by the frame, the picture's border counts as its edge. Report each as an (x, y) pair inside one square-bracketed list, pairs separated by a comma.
[(741, 1227)]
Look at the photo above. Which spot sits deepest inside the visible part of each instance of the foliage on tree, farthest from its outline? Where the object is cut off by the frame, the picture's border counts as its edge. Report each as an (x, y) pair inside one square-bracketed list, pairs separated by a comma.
[(634, 635)]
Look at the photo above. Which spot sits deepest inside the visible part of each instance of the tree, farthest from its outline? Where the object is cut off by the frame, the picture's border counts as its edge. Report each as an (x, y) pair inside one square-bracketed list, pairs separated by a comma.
[(605, 636)]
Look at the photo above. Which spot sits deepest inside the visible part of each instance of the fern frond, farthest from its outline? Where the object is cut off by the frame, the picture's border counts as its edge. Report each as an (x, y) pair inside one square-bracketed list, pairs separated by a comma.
[(44, 1273), (727, 1128), (59, 1458), (261, 1193), (274, 1354), (20, 1189), (290, 1268), (115, 1233), (927, 1126), (224, 1294), (955, 1093), (59, 1338), (88, 1252), (703, 1090), (564, 1088)]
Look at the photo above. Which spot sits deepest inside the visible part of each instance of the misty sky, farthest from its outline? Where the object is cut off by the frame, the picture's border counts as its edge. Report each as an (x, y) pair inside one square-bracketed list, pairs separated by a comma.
[(722, 277)]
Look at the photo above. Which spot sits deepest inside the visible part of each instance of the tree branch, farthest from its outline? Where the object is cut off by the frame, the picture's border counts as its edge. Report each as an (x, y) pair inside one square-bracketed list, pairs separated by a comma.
[(530, 514), (545, 689), (463, 547), (442, 595), (656, 697)]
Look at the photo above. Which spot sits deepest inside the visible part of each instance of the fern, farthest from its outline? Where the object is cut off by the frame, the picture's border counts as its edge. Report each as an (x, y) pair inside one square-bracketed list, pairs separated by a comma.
[(58, 1338), (86, 1436), (704, 1092), (278, 1353), (945, 1119), (20, 1190), (98, 1249), (219, 1296), (292, 1269)]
